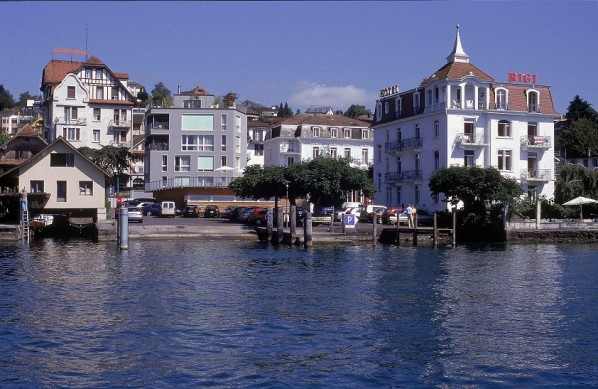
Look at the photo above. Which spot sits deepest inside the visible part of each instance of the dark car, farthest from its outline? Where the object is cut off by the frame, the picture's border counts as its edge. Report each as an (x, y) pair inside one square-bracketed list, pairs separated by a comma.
[(211, 211), (424, 218), (257, 216), (154, 209), (235, 214), (191, 211)]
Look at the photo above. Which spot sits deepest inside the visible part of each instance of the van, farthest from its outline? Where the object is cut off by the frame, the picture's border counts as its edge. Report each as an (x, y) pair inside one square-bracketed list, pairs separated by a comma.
[(367, 212), (168, 208)]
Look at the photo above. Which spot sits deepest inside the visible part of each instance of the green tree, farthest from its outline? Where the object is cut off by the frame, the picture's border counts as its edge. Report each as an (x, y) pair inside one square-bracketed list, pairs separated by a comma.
[(143, 98), (325, 180), (284, 111), (580, 138), (355, 111), (23, 97), (6, 100), (580, 108), (229, 99), (162, 95), (3, 138), (474, 186), (115, 160), (573, 181)]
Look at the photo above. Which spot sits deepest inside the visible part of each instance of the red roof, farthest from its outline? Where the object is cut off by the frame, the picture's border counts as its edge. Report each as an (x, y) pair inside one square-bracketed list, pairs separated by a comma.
[(325, 120), (458, 70)]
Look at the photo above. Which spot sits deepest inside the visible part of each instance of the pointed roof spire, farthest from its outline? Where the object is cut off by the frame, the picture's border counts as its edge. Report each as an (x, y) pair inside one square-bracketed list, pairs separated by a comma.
[(458, 54)]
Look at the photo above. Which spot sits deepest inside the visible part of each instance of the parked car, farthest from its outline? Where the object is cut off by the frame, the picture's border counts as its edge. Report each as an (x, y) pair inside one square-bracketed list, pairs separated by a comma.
[(235, 214), (191, 211), (257, 216), (245, 214), (226, 213), (154, 209), (424, 218), (211, 211), (365, 212), (390, 215), (168, 209), (135, 215), (138, 202)]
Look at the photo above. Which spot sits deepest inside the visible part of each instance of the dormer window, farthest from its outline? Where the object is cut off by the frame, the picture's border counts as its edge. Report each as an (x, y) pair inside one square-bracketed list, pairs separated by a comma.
[(334, 132), (416, 103), (347, 133), (378, 111), (398, 106), (364, 133), (316, 131), (533, 101), (501, 99)]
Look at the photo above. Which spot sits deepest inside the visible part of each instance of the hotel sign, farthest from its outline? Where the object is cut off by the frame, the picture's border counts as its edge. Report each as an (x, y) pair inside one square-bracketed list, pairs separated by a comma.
[(70, 51), (522, 77), (391, 90)]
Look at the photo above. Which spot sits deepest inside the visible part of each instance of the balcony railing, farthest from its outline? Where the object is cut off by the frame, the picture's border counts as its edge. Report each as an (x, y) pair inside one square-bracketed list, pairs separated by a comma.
[(219, 181), (405, 175), (536, 141), (471, 139), (396, 146), (71, 121), (536, 174), (158, 126), (159, 146), (119, 123)]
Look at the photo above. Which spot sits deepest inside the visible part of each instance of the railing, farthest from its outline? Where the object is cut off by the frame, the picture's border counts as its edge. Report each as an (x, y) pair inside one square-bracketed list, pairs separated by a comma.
[(393, 146), (471, 139), (287, 149), (411, 175), (536, 174), (75, 122), (190, 182), (119, 123), (158, 126), (536, 141), (534, 109), (413, 143), (160, 146), (392, 177)]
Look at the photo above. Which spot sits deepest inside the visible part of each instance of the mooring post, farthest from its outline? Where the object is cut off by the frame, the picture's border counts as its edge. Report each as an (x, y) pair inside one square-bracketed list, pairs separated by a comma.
[(124, 228), (454, 226), (269, 223), (435, 232), (279, 224), (375, 229), (307, 230), (293, 219)]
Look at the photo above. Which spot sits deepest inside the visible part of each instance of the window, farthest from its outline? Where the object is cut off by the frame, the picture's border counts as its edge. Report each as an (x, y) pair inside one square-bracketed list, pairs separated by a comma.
[(468, 130), (380, 153), (315, 152), (504, 160), (347, 133), (164, 181), (71, 133), (99, 93), (398, 107), (36, 186), (436, 160), (205, 163), (501, 99), (223, 122), (97, 114), (436, 95), (290, 161), (399, 165), (364, 133), (417, 131), (389, 195), (223, 143), (182, 181), (348, 153), (120, 137), (417, 163), (114, 93), (116, 116), (436, 128), (333, 152), (378, 111), (504, 128), (533, 101), (364, 156), (96, 136), (189, 143), (238, 144), (429, 97), (88, 73), (197, 123), (62, 160), (417, 193), (334, 132), (205, 142), (316, 131), (164, 163), (398, 195), (182, 163), (192, 104), (238, 123), (61, 191), (532, 129), (259, 149), (468, 156), (223, 161), (70, 93), (258, 135), (86, 188), (386, 107)]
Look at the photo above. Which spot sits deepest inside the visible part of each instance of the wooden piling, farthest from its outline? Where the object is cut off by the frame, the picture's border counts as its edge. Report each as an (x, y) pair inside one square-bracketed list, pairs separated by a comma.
[(269, 223), (293, 219), (375, 229), (279, 224), (435, 231), (454, 226), (307, 231)]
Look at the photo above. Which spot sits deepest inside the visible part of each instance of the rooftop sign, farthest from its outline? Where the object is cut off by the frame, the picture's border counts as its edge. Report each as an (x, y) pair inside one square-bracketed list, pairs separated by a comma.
[(391, 90), (70, 51), (522, 77)]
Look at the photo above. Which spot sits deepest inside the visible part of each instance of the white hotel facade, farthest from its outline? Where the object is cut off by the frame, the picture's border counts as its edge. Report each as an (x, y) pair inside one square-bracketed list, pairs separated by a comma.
[(460, 115)]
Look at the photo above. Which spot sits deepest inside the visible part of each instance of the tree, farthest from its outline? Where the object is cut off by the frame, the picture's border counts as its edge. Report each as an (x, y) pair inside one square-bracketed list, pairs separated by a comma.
[(229, 99), (325, 180), (162, 95), (355, 111), (116, 160), (580, 137), (23, 97), (143, 98), (284, 111), (6, 100), (474, 186), (573, 181), (580, 108)]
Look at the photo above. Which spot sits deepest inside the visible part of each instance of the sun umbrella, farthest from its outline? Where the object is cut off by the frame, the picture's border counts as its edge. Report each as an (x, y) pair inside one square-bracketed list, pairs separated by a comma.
[(581, 201)]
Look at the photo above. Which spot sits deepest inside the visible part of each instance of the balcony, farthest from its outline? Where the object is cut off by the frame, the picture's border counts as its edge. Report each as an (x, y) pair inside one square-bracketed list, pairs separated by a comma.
[(216, 181), (471, 140), (289, 149), (536, 175), (411, 175), (395, 147), (392, 177), (536, 142), (71, 121), (120, 123)]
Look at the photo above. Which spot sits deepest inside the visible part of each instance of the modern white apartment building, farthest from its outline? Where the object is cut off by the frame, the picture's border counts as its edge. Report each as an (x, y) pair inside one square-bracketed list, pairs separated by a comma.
[(306, 136), (86, 103), (459, 115)]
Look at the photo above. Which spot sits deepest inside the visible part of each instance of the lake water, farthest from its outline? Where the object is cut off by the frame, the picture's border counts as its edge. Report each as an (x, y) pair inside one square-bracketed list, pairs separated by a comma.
[(237, 314)]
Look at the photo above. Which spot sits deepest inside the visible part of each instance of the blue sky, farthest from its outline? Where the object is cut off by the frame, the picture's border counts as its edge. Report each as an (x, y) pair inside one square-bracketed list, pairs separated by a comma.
[(306, 53)]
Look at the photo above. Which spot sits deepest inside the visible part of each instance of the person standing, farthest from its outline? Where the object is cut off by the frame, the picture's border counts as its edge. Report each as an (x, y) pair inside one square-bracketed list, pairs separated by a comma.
[(409, 212), (24, 203)]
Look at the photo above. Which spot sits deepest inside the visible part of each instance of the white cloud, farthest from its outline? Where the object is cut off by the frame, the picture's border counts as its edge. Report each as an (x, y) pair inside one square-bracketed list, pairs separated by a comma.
[(338, 97)]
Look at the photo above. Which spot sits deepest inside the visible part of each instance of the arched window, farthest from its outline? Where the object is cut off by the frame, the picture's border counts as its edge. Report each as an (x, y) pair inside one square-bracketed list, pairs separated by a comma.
[(533, 101), (504, 128), (501, 99)]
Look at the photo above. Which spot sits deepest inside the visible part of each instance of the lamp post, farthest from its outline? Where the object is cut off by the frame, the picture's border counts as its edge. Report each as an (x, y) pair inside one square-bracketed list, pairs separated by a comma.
[(286, 184)]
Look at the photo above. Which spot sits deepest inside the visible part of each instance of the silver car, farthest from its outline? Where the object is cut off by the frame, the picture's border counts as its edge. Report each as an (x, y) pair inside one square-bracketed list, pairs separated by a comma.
[(135, 214)]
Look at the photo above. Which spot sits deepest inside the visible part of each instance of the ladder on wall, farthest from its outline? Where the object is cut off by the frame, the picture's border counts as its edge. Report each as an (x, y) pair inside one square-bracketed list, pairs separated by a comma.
[(25, 225)]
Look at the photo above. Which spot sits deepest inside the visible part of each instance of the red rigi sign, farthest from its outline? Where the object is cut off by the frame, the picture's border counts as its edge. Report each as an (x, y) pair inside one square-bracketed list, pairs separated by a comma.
[(522, 77)]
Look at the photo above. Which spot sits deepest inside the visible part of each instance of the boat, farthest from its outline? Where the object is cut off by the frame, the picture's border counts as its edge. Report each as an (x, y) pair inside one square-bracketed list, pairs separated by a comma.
[(81, 225)]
